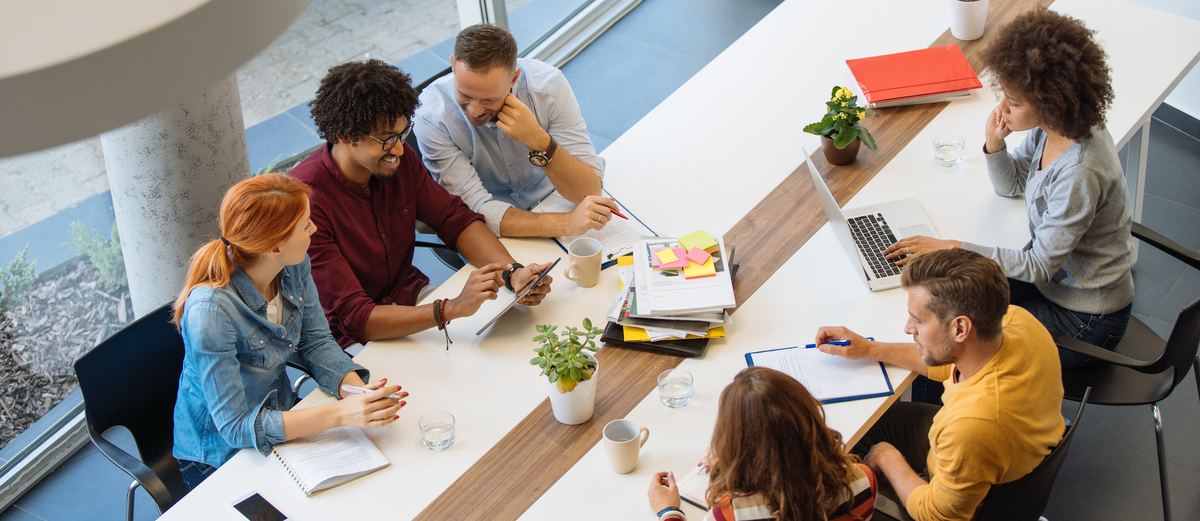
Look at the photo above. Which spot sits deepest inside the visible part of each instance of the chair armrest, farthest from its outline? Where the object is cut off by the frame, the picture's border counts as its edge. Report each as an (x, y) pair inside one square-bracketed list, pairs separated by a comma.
[(135, 468), (1084, 348), (1168, 246), (295, 361), (438, 245)]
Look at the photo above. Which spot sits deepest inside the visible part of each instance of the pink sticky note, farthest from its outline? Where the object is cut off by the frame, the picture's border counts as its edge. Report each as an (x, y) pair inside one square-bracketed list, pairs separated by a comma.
[(679, 256), (698, 256)]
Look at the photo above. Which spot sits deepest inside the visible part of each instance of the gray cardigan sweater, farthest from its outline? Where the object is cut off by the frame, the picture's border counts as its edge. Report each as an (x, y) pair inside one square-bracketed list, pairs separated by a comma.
[(1080, 253)]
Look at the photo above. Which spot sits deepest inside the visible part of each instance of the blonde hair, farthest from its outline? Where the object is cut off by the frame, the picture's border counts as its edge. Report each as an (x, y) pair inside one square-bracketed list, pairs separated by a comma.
[(257, 215)]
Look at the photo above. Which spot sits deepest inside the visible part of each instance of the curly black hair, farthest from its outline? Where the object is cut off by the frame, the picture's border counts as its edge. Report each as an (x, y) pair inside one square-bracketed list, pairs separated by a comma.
[(1052, 62), (356, 98)]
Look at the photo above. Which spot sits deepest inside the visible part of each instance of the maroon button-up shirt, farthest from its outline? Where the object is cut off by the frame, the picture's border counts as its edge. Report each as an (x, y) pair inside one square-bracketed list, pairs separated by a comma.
[(363, 249)]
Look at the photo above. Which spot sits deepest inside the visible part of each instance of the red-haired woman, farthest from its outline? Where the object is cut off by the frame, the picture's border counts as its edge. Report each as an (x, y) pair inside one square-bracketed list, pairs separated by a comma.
[(248, 302), (774, 458)]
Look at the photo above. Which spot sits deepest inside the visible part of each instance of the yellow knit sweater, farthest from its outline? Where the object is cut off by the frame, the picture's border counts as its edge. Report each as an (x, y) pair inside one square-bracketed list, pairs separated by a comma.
[(996, 426)]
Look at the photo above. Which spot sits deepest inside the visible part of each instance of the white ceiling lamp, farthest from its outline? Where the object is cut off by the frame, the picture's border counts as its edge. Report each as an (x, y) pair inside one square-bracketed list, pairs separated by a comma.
[(76, 68)]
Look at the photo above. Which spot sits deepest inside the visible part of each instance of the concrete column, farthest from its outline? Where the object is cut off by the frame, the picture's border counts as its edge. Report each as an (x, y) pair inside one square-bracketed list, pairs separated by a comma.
[(168, 173)]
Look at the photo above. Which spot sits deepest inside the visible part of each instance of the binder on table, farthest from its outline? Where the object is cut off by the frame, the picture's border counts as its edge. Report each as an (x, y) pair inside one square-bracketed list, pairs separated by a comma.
[(830, 378), (921, 76)]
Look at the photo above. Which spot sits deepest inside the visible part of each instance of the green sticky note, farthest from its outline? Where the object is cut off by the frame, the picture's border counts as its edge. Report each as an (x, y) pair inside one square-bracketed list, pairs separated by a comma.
[(698, 239)]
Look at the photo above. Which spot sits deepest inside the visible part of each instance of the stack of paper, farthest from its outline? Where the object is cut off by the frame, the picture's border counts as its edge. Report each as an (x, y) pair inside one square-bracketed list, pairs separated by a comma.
[(909, 78), (674, 289)]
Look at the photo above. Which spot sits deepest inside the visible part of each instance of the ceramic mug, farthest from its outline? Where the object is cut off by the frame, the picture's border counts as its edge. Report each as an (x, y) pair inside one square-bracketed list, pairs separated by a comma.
[(584, 257), (622, 441)]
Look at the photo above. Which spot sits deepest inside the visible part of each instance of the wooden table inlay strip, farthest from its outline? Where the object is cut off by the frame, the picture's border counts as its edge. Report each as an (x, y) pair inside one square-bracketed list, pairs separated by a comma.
[(539, 451)]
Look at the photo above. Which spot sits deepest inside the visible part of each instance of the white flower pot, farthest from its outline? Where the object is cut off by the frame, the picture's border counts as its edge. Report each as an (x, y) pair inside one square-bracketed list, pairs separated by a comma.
[(968, 18), (575, 407)]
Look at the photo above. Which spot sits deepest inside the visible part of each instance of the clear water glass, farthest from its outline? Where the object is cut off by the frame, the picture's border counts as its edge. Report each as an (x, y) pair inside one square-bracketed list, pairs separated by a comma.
[(437, 430), (948, 150), (675, 388)]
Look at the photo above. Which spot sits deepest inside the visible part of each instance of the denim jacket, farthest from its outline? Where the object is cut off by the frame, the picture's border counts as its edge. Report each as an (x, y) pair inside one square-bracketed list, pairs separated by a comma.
[(234, 384)]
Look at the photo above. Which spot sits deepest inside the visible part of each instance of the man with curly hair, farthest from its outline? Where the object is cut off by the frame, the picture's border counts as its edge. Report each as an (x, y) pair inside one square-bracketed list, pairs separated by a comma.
[(1074, 274), (504, 133), (368, 191)]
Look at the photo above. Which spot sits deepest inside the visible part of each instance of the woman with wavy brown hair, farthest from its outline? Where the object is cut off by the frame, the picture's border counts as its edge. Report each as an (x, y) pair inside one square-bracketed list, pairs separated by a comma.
[(774, 458)]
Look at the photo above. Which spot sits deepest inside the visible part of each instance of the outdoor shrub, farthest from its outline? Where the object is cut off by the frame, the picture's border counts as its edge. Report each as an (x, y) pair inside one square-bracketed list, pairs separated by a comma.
[(105, 255), (17, 280)]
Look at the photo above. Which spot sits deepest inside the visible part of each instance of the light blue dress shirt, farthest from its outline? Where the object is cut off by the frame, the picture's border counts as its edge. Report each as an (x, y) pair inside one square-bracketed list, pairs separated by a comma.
[(482, 165), (234, 386)]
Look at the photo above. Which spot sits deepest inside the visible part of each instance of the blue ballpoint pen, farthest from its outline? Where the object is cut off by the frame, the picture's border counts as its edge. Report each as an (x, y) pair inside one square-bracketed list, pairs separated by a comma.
[(363, 390), (836, 343)]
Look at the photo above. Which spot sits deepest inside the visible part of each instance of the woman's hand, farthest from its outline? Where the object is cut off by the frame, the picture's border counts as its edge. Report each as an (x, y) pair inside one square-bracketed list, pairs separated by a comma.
[(482, 285), (904, 249), (995, 130), (373, 409), (524, 276), (663, 492)]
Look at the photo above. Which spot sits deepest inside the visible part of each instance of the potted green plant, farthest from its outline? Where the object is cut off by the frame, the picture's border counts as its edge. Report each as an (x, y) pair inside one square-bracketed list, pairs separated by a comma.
[(571, 371), (840, 129)]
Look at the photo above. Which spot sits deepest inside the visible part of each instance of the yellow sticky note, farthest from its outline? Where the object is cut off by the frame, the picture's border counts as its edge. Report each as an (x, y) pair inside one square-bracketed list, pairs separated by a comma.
[(698, 239), (704, 270), (667, 256)]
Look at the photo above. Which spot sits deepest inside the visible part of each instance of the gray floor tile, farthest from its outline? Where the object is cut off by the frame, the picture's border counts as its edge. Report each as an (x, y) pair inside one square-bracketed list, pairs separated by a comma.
[(1154, 274), (1178, 222), (1185, 291), (600, 142), (15, 513), (1173, 157), (1102, 481), (96, 488), (699, 28), (619, 78)]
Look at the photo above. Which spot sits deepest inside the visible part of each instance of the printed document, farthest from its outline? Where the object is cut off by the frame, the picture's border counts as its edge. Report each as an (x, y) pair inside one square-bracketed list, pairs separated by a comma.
[(829, 378)]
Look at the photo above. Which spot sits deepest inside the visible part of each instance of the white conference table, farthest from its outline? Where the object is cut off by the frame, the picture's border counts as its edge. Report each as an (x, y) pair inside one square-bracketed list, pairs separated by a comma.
[(733, 133)]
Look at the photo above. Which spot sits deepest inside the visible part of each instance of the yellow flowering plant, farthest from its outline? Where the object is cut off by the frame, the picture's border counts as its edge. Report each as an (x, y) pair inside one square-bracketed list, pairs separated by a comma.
[(841, 122)]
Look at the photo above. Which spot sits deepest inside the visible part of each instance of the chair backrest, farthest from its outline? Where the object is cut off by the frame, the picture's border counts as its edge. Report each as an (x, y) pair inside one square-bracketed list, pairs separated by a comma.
[(131, 380), (1184, 341), (1026, 498)]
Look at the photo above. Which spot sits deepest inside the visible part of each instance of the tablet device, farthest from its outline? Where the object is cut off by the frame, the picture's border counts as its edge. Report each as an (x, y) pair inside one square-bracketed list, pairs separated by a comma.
[(520, 296)]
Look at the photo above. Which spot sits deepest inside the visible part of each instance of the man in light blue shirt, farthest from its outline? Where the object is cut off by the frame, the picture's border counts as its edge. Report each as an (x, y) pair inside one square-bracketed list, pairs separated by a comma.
[(503, 133)]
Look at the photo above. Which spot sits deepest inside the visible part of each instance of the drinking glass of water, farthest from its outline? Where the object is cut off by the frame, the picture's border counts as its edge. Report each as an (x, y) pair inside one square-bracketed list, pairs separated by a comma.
[(437, 430), (948, 150), (675, 388)]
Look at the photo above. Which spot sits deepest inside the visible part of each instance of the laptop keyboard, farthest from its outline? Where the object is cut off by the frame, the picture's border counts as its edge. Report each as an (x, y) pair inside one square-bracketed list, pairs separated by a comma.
[(873, 235)]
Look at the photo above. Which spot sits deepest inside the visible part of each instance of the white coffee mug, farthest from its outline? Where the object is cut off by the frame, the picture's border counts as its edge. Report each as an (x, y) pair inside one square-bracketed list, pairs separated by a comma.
[(584, 256), (622, 441)]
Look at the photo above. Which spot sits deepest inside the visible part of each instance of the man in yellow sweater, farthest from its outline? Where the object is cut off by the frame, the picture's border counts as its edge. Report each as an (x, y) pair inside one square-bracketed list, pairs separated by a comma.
[(1003, 398)]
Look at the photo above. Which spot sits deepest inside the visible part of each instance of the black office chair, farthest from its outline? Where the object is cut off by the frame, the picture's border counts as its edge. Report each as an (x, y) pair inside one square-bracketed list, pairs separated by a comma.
[(131, 380), (1143, 369), (1026, 498), (444, 254)]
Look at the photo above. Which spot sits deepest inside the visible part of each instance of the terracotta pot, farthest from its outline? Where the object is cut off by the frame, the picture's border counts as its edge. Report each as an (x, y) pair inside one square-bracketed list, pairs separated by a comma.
[(840, 156)]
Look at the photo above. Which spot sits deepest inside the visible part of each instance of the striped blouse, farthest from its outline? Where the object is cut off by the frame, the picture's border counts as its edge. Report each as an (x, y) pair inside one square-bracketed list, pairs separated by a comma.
[(856, 504)]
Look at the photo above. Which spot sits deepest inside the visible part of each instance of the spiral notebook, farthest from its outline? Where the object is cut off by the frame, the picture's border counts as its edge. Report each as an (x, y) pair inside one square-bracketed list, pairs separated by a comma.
[(328, 459)]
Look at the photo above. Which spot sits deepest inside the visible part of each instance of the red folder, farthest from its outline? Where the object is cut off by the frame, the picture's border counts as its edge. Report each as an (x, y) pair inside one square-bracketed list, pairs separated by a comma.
[(924, 72)]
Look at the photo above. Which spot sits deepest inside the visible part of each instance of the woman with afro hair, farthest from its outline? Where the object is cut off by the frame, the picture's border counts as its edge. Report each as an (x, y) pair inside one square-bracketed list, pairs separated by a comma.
[(1074, 274)]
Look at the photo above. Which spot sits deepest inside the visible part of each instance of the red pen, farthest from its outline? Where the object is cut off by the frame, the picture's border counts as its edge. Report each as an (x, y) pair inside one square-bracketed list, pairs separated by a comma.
[(618, 212)]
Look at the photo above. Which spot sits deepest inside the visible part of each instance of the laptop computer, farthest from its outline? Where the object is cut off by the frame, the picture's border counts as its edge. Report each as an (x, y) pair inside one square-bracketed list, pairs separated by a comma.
[(865, 232)]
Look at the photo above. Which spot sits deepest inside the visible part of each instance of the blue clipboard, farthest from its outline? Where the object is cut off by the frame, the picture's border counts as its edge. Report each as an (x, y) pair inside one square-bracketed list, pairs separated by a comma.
[(891, 390), (611, 261)]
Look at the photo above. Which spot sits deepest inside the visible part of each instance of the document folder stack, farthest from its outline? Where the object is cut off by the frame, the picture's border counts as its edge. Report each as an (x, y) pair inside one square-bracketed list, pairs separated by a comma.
[(909, 78), (665, 309)]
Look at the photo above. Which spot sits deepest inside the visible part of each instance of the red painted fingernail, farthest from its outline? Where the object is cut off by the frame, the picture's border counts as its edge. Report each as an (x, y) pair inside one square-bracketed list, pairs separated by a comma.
[(402, 404), (396, 417)]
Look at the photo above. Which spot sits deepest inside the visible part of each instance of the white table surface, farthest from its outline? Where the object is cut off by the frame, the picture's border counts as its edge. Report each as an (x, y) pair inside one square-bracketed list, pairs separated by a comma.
[(736, 130)]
